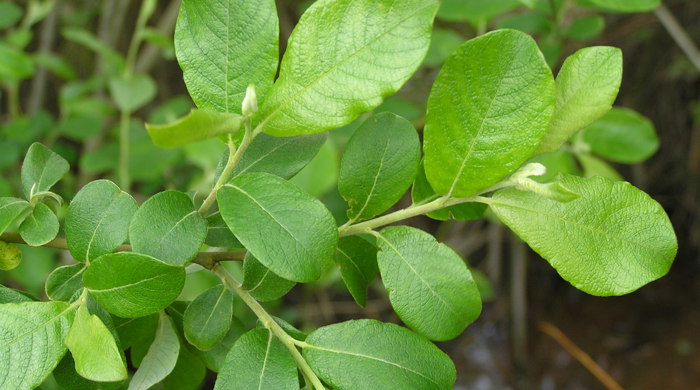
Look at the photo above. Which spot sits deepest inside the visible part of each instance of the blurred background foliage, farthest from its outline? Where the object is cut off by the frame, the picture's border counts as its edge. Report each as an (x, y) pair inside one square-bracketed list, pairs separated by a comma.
[(83, 77)]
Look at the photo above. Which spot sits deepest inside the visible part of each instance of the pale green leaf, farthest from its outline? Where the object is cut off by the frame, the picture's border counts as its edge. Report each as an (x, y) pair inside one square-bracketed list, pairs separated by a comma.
[(10, 256), (370, 355), (8, 295), (474, 10), (258, 360), (295, 234), (320, 175), (63, 282), (225, 45), (357, 260), (493, 90), (98, 220), (40, 227), (161, 358), (133, 285), (198, 125), (208, 318), (10, 210), (31, 342), (593, 166), (343, 58), (41, 169), (429, 286), (623, 136), (379, 164), (261, 283), (281, 156), (612, 240), (131, 92), (626, 5), (96, 354), (168, 227), (587, 85)]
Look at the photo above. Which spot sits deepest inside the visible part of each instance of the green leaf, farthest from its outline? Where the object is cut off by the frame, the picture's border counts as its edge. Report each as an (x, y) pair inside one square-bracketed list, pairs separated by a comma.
[(98, 220), (168, 227), (41, 169), (379, 164), (320, 175), (560, 161), (287, 327), (258, 360), (422, 192), (208, 318), (64, 282), (87, 39), (474, 10), (225, 45), (324, 83), (10, 210), (8, 295), (132, 285), (612, 240), (161, 357), (67, 378), (587, 85), (15, 65), (357, 260), (10, 256), (96, 354), (368, 354), (626, 5), (215, 357), (281, 156), (585, 28), (10, 14), (593, 166), (132, 92), (442, 44), (429, 285), (56, 65), (295, 234), (468, 138), (188, 374), (219, 235), (40, 227), (198, 125), (31, 344), (261, 283), (623, 136)]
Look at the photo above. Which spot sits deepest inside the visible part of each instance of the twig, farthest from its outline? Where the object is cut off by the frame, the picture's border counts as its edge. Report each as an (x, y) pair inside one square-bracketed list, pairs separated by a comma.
[(678, 34), (578, 354)]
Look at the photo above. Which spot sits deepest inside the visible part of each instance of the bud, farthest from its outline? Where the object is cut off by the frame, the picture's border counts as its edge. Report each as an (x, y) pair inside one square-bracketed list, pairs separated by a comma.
[(250, 102)]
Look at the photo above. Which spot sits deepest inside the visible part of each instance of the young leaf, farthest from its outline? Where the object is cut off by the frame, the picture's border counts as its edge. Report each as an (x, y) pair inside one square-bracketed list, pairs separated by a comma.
[(626, 243), (94, 350), (369, 355), (225, 45), (40, 227), (208, 318), (133, 285), (378, 165), (64, 282), (623, 136), (98, 220), (357, 260), (429, 285), (168, 227), (32, 341), (10, 256), (281, 156), (10, 210), (323, 81), (258, 360), (261, 283), (132, 92), (587, 86), (198, 125), (161, 357), (295, 234), (468, 138), (41, 169)]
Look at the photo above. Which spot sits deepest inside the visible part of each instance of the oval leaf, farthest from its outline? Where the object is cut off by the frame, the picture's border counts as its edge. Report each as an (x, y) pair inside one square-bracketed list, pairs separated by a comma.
[(40, 227), (225, 45), (168, 227), (96, 354), (131, 285), (368, 354), (357, 260), (623, 136), (131, 92), (627, 243), (31, 341), (324, 78), (429, 285), (198, 125), (41, 169), (10, 210), (208, 318), (161, 358), (261, 283), (378, 165), (587, 86), (64, 282), (295, 234), (98, 220), (492, 90), (281, 156), (258, 360)]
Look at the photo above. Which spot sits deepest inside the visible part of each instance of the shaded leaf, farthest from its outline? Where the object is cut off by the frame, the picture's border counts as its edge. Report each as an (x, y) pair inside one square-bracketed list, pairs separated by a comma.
[(357, 260), (261, 283), (208, 318)]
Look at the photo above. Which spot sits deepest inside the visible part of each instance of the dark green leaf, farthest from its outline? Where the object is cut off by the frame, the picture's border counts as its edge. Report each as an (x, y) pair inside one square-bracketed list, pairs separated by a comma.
[(623, 136), (41, 169), (262, 283), (40, 227), (218, 233), (161, 358), (295, 235), (10, 14), (188, 374), (357, 260), (133, 285), (15, 65), (208, 318), (64, 282), (258, 360), (585, 28), (281, 156), (87, 39), (198, 125), (370, 355), (422, 192), (215, 357), (98, 220), (67, 378), (168, 227)]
